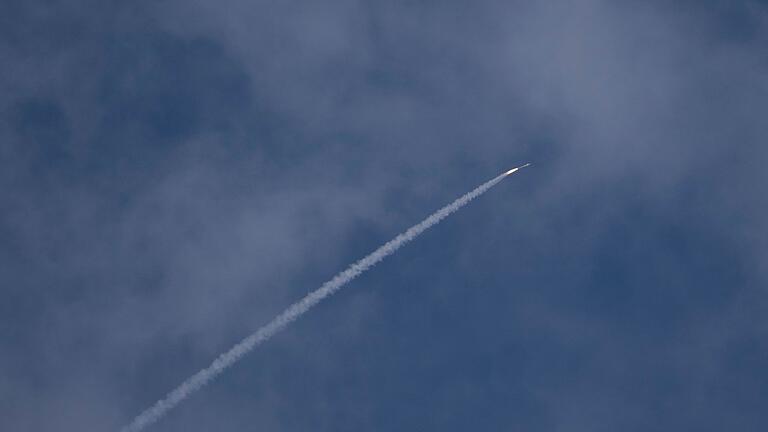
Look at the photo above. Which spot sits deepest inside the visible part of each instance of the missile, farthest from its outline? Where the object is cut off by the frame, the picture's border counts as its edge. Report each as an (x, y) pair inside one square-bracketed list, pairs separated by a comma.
[(515, 169)]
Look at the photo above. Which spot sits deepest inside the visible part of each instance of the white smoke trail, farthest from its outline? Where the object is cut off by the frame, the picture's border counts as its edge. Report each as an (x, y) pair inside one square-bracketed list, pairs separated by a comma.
[(227, 359)]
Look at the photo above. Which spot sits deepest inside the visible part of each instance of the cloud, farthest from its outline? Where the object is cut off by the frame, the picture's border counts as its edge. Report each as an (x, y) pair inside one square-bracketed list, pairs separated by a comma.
[(157, 151)]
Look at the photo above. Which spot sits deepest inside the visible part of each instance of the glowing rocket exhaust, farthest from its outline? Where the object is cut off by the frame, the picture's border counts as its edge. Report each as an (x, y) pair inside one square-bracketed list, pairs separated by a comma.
[(515, 169)]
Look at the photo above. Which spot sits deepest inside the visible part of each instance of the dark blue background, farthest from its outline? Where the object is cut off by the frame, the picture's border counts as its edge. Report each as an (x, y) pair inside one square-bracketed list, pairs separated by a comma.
[(173, 174)]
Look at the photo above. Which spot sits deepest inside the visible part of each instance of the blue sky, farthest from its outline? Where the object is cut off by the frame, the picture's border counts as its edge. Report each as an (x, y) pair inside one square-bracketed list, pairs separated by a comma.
[(173, 174)]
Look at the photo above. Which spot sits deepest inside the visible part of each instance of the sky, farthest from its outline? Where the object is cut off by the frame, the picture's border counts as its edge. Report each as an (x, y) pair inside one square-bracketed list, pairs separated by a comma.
[(175, 173)]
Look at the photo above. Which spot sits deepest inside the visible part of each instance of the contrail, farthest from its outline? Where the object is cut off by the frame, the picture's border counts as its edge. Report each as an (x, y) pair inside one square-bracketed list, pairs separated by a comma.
[(294, 311)]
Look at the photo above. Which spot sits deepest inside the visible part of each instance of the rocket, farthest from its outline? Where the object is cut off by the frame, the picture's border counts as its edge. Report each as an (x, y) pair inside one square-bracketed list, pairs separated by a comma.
[(515, 169)]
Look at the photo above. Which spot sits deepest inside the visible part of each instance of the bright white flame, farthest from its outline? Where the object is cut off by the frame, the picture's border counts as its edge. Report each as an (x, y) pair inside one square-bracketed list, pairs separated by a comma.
[(515, 169)]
